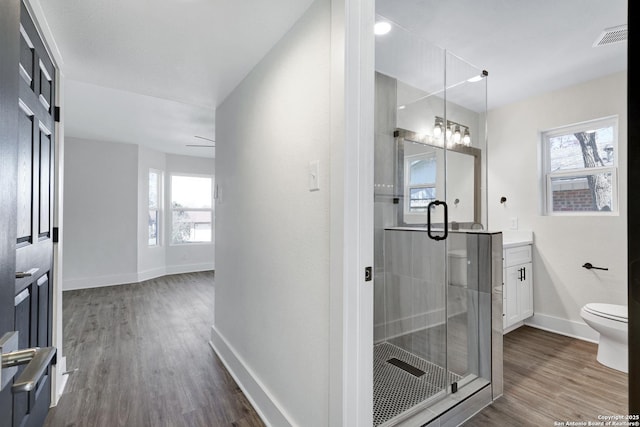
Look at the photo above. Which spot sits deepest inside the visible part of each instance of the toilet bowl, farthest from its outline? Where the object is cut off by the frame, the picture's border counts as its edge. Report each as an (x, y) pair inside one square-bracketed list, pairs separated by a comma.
[(611, 322)]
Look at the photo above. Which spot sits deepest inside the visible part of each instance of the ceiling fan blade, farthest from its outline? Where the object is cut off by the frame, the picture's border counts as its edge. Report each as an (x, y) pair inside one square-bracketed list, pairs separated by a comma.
[(202, 137)]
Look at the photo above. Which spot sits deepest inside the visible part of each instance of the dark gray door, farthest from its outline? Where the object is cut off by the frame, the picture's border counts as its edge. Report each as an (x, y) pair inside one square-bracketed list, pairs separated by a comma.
[(27, 79)]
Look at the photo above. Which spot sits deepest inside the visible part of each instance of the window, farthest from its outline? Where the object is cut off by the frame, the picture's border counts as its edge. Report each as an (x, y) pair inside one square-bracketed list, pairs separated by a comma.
[(191, 209), (420, 188), (580, 168), (155, 195)]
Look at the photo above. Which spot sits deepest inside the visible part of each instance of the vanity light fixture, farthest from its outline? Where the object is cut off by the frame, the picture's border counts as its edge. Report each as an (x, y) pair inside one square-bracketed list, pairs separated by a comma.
[(466, 139), (381, 28), (457, 136), (437, 129), (454, 133)]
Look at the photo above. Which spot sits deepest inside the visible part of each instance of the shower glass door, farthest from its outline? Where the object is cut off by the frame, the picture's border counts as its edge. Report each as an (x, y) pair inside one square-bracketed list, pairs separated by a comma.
[(429, 136), (468, 298), (411, 238)]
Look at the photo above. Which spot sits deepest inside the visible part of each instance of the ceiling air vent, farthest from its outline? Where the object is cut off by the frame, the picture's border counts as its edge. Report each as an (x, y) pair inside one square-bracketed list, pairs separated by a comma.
[(611, 36)]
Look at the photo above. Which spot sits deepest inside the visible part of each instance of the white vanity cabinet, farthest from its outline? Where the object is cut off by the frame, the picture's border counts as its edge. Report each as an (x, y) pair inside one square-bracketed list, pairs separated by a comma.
[(517, 294)]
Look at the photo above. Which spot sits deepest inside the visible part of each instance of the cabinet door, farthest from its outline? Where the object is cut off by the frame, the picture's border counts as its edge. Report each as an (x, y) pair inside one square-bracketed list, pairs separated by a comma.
[(512, 292), (525, 291)]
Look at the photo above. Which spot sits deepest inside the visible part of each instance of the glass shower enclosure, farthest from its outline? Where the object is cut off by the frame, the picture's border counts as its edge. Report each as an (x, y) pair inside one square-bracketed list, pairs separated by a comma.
[(436, 266)]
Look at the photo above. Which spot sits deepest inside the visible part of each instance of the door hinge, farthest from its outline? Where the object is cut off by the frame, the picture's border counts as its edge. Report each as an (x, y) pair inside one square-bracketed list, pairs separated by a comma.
[(55, 236), (56, 114), (368, 274)]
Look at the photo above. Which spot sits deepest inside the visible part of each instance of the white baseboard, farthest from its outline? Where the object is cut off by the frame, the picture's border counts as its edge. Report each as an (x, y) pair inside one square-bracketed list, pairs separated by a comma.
[(263, 402), (99, 281), (570, 328), (151, 274), (190, 268), (141, 276)]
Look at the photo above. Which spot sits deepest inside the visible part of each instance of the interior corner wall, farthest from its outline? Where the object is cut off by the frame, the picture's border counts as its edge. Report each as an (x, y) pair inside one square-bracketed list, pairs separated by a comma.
[(100, 204), (191, 257), (272, 247), (562, 244)]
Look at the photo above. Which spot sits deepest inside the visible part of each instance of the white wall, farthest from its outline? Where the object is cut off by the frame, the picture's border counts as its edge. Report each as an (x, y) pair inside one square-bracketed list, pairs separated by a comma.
[(562, 244), (106, 213), (272, 256), (100, 204)]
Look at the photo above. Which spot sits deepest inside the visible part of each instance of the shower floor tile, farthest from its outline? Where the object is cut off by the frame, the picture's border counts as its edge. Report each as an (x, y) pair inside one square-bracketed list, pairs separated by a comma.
[(396, 390)]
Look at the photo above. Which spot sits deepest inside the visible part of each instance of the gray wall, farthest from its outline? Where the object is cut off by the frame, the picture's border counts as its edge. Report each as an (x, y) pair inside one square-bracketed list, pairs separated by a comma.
[(101, 208)]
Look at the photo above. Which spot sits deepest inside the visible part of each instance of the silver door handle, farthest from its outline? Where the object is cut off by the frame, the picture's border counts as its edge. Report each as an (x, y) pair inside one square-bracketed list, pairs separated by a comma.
[(37, 360)]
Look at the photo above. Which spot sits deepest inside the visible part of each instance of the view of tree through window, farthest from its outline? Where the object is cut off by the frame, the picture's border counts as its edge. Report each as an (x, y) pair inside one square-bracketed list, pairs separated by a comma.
[(581, 168), (191, 209)]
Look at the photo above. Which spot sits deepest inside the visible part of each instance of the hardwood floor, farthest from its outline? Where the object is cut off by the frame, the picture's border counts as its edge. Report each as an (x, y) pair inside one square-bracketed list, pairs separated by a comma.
[(142, 357), (549, 378)]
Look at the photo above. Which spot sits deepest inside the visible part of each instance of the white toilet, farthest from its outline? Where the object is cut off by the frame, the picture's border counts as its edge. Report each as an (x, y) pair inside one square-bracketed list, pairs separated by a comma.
[(611, 321)]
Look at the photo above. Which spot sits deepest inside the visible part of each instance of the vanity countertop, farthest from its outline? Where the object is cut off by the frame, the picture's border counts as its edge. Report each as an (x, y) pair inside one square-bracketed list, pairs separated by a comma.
[(510, 238), (513, 238), (437, 230)]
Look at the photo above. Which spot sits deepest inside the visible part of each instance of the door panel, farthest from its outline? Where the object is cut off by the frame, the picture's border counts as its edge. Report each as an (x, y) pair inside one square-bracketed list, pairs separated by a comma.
[(9, 57), (23, 324), (26, 198), (44, 189), (25, 174)]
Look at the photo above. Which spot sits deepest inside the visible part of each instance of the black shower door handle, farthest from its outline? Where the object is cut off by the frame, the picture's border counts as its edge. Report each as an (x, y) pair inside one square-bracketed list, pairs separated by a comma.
[(446, 220)]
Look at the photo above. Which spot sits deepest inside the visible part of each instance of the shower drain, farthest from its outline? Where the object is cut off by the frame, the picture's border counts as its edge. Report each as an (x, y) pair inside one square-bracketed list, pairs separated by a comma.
[(398, 386)]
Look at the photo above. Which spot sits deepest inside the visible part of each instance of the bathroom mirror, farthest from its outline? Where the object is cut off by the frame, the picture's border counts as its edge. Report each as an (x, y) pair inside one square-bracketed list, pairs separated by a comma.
[(421, 179)]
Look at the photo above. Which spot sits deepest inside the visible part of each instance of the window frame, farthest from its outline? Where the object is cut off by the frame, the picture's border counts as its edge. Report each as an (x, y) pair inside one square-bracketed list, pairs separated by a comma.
[(187, 208), (158, 209), (547, 175)]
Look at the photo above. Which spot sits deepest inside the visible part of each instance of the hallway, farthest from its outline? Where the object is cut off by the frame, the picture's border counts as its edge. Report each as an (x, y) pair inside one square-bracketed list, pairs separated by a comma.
[(141, 357)]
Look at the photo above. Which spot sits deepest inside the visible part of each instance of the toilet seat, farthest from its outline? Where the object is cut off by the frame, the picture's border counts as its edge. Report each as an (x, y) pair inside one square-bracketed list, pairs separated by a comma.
[(615, 312)]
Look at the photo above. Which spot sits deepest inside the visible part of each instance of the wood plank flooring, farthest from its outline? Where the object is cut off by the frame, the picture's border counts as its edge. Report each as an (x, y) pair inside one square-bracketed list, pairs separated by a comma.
[(142, 357), (549, 378)]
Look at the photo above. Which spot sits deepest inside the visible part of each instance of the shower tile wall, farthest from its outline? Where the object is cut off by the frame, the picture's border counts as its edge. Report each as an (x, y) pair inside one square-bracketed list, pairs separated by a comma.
[(415, 293), (386, 211)]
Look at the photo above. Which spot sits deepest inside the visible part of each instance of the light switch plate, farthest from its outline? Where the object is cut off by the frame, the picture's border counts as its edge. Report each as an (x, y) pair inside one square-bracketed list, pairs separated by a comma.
[(314, 175)]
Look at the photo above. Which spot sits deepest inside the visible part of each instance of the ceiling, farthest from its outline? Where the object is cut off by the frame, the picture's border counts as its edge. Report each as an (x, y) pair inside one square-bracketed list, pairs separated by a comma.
[(527, 47), (153, 71)]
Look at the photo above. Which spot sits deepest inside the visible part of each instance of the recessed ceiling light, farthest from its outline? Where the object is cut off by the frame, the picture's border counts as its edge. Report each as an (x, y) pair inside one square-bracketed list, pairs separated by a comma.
[(381, 28)]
